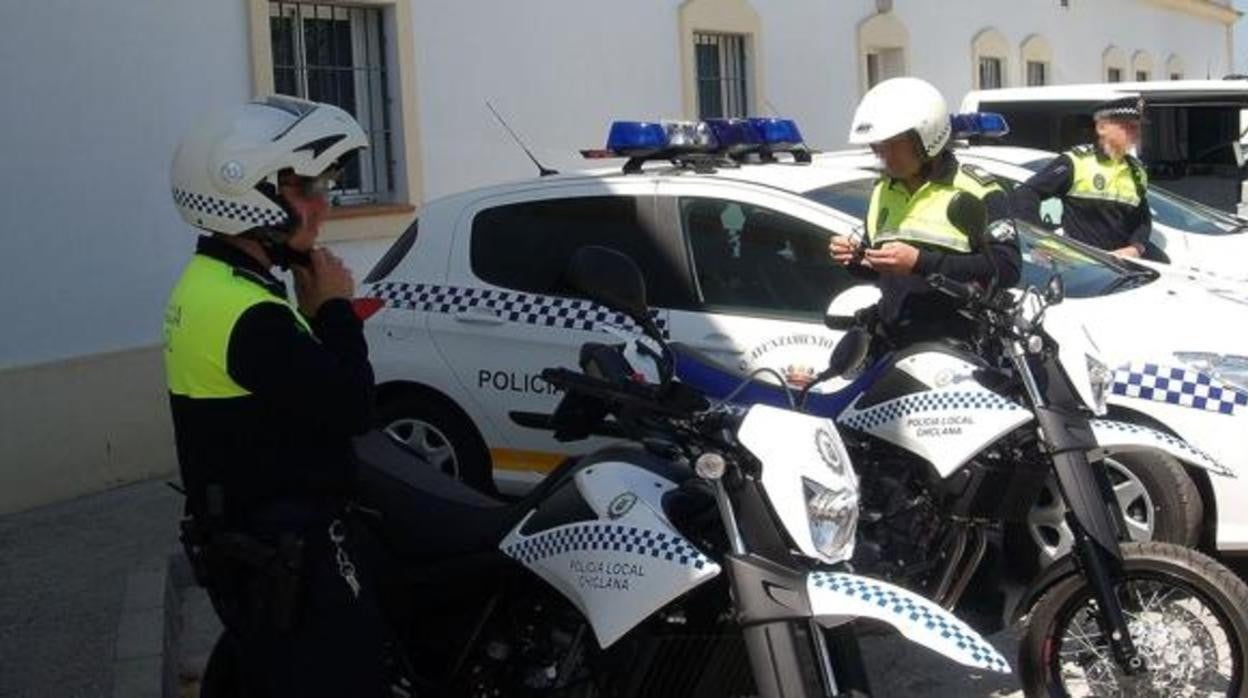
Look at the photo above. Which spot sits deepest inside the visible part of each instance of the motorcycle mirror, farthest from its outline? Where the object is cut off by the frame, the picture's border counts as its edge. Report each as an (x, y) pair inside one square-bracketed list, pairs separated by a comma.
[(610, 278), (843, 310), (1055, 292)]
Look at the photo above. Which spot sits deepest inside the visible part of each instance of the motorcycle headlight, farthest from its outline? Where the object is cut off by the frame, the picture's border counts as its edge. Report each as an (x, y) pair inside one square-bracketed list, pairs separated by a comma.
[(1230, 369), (1102, 379), (833, 517)]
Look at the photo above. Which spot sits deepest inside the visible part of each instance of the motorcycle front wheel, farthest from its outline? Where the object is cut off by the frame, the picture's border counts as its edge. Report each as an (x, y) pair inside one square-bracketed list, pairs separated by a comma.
[(1188, 618)]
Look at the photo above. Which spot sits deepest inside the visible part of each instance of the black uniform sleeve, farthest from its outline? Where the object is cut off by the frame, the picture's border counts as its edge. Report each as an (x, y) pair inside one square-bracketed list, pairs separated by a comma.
[(1143, 219), (329, 382), (1054, 180), (999, 255)]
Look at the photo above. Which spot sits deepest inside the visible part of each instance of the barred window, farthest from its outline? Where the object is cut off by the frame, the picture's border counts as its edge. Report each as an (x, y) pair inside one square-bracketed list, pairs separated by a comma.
[(721, 70), (990, 73), (337, 54), (1037, 73)]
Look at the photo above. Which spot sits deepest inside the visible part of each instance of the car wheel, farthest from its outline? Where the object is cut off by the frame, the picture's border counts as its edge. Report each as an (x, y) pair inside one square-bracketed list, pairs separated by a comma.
[(1158, 498), (437, 429)]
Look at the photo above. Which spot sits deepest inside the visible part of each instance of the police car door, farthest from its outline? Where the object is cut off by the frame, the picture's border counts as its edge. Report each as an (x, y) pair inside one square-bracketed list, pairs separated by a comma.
[(763, 276), (507, 315)]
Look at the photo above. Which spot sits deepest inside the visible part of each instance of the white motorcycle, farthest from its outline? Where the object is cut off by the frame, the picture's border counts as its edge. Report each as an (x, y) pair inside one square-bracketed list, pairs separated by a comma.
[(709, 560), (951, 447)]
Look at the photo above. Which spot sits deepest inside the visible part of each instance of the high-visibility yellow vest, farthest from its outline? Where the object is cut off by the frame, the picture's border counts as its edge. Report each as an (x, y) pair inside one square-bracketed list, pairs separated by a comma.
[(1102, 179), (206, 303), (923, 217)]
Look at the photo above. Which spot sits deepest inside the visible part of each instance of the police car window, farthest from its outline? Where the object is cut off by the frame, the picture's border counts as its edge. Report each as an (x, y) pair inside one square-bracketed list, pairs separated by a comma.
[(1188, 216), (852, 198), (755, 260), (394, 255), (526, 246)]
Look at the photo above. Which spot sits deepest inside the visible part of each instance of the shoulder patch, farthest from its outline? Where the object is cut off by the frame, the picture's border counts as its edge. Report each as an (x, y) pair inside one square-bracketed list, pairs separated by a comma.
[(980, 175)]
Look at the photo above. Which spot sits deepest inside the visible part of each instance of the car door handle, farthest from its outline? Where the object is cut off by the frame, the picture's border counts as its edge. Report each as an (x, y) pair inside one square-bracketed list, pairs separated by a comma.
[(480, 316)]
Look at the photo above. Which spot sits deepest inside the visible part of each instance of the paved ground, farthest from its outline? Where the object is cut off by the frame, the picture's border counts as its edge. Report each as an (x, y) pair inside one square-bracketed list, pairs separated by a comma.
[(63, 572)]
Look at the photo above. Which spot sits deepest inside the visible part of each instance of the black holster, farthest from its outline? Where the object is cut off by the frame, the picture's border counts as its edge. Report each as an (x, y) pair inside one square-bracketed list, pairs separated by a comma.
[(252, 582)]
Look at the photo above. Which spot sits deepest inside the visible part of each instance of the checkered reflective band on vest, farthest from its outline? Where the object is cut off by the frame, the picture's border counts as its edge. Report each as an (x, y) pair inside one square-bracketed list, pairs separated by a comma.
[(206, 303), (1102, 179), (923, 218)]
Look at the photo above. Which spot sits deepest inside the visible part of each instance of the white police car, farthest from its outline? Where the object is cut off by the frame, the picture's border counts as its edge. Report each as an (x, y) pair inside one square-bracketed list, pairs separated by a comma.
[(468, 307)]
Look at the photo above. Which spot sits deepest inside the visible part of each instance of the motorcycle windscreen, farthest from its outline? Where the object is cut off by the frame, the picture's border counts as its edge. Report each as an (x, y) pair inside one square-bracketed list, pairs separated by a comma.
[(622, 566), (796, 449)]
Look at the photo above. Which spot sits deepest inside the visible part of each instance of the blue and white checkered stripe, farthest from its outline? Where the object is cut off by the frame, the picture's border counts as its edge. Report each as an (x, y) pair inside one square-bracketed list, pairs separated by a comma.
[(1178, 386), (231, 210), (608, 538), (513, 306), (910, 607), (1189, 451), (928, 401)]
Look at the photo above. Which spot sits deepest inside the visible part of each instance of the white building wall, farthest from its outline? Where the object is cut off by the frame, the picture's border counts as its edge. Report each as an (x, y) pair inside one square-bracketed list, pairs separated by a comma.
[(96, 96)]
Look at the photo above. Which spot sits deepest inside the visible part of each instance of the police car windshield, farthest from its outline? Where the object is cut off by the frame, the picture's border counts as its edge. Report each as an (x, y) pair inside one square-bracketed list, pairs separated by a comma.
[(1085, 272), (1178, 212)]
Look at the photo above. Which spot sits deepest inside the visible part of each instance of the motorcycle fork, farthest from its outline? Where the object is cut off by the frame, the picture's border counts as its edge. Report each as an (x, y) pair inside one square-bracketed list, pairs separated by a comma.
[(1089, 508)]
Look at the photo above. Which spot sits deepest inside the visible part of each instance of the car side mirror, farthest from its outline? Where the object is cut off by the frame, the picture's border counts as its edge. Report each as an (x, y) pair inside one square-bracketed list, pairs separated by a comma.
[(610, 278), (844, 309)]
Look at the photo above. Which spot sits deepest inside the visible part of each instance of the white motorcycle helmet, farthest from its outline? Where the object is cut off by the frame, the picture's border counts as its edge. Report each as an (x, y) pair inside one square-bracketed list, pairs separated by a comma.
[(224, 172), (898, 105)]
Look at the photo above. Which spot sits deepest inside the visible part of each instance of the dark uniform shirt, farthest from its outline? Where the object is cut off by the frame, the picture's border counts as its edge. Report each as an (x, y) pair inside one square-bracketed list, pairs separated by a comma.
[(910, 308), (287, 442), (1101, 222)]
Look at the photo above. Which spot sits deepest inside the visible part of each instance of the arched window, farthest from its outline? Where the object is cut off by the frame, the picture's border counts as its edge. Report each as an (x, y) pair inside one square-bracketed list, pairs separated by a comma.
[(990, 59), (883, 48), (719, 53), (1114, 64), (1174, 67), (1141, 66), (1037, 61)]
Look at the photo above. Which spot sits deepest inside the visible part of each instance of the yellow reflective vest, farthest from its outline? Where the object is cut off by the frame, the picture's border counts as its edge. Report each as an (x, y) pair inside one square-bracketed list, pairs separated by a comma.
[(206, 303), (896, 215)]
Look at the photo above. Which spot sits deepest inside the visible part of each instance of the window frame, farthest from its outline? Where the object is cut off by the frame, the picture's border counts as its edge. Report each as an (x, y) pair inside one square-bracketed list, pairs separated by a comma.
[(367, 35), (362, 222), (733, 72)]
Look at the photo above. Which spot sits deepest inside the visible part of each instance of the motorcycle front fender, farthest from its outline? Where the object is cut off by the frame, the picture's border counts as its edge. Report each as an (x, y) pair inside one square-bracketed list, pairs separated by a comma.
[(1121, 437), (839, 597)]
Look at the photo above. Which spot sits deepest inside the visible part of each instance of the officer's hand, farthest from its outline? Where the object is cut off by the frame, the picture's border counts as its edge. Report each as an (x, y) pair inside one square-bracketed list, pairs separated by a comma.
[(1130, 251), (842, 249), (892, 258), (327, 277)]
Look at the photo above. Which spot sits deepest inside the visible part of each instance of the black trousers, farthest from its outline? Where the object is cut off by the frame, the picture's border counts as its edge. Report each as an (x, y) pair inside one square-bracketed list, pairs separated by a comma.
[(333, 643)]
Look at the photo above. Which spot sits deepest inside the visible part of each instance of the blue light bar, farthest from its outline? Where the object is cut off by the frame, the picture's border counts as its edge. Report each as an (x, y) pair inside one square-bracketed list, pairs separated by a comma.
[(735, 135), (778, 134), (984, 124), (636, 138)]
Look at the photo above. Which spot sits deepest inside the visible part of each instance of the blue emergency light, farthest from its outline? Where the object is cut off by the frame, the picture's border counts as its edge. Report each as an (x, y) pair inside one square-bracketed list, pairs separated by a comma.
[(778, 134), (728, 140), (735, 135), (986, 124)]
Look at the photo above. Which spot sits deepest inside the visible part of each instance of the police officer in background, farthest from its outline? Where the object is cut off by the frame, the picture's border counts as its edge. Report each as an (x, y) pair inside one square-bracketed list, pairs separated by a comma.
[(928, 215), (1103, 186), (265, 395)]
